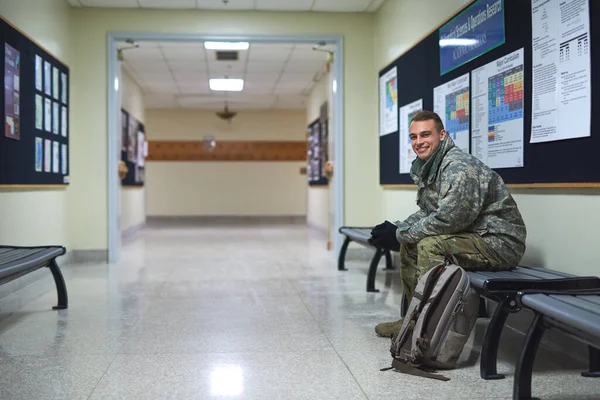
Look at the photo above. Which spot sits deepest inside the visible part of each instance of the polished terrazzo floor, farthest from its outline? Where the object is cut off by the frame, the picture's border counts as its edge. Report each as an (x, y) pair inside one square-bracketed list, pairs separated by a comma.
[(235, 312)]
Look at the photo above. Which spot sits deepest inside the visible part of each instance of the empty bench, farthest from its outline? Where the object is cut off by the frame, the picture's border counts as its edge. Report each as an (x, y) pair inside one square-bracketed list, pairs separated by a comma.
[(361, 236), (18, 261), (576, 315)]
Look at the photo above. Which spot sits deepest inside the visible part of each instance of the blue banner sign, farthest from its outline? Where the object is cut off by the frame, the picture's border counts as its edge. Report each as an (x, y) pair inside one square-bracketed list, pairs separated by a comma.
[(475, 31)]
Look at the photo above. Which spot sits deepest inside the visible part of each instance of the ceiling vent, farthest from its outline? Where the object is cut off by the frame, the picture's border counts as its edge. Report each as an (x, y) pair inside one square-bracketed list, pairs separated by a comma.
[(227, 55)]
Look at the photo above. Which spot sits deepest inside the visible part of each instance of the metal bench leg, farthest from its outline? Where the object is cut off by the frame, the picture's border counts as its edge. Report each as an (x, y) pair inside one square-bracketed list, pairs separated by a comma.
[(594, 356), (61, 288), (342, 256), (483, 312), (491, 340), (373, 271), (388, 260), (524, 370)]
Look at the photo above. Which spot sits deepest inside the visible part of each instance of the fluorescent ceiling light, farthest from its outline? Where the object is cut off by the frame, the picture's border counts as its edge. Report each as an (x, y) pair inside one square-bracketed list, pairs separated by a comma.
[(230, 85), (226, 45)]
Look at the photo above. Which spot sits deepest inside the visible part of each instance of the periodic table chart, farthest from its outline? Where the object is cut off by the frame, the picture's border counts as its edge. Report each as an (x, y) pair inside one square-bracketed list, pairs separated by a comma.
[(505, 96), (457, 111)]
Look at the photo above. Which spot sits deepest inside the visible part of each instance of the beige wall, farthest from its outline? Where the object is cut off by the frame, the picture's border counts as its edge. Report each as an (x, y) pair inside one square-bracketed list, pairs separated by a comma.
[(132, 200), (219, 187), (34, 217), (89, 33), (317, 209), (561, 223)]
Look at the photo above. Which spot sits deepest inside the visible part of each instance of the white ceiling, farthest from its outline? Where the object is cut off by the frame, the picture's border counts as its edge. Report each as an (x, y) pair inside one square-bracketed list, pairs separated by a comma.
[(176, 74), (260, 5)]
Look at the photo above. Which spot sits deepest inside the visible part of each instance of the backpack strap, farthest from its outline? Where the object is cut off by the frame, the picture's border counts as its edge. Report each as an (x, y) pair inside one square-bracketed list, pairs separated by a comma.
[(411, 370)]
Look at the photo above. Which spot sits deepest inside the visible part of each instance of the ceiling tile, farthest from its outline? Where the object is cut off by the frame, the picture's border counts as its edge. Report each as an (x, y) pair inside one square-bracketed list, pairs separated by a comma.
[(110, 3), (183, 53), (258, 87), (183, 66), (341, 6), (142, 66), (268, 54), (283, 5), (194, 88), (168, 3), (219, 5), (159, 101), (264, 66), (142, 53)]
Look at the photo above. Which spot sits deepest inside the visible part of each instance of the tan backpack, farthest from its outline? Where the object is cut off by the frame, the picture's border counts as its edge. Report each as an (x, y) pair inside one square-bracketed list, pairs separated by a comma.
[(438, 323)]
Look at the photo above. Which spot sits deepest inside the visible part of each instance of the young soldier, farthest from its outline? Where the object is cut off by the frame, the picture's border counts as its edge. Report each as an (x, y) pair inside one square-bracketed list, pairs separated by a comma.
[(465, 211)]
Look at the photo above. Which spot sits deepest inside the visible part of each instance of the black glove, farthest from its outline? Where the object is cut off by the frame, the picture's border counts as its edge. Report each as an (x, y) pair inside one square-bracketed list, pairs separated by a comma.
[(379, 228), (385, 237)]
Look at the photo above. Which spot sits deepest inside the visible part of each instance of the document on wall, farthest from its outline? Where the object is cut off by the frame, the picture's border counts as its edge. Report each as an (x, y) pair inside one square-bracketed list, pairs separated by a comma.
[(561, 104), (451, 103), (497, 108), (407, 155), (388, 102)]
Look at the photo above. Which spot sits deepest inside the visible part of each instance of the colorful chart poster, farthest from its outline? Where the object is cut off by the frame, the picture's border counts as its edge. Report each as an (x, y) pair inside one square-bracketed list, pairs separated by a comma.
[(55, 119), (39, 154), (48, 115), (64, 159), (39, 112), (407, 155), (12, 93), (47, 155), (451, 102), (55, 157), (388, 102), (561, 84), (63, 87), (64, 121), (38, 73), (47, 78), (497, 107), (55, 83)]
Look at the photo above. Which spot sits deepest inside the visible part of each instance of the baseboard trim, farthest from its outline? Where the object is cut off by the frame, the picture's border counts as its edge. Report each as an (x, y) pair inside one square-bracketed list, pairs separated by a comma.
[(225, 220), (132, 231), (90, 256), (318, 229)]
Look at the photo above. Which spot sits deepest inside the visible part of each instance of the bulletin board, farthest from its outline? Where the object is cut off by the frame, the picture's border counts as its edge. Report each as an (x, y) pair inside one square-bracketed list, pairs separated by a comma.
[(133, 150), (573, 162), (317, 153), (34, 147)]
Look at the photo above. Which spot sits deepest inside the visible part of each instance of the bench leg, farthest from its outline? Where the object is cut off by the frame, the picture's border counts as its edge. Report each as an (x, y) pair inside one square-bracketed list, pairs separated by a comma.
[(483, 312), (388, 260), (491, 341), (61, 288), (594, 356), (342, 256), (524, 370), (373, 271)]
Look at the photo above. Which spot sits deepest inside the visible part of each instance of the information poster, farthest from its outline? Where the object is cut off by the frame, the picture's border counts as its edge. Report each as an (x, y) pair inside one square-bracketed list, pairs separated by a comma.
[(12, 66), (561, 104), (407, 155), (451, 103), (497, 107), (388, 102), (39, 154)]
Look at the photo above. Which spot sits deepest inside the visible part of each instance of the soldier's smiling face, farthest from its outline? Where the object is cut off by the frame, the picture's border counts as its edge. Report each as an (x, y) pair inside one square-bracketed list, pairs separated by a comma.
[(424, 138)]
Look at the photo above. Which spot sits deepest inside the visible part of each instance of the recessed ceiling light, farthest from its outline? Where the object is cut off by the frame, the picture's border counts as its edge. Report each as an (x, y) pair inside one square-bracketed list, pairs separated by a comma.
[(230, 85), (226, 45)]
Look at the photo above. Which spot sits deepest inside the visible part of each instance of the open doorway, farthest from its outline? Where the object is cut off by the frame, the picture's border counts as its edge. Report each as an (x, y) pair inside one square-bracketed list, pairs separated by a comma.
[(225, 105)]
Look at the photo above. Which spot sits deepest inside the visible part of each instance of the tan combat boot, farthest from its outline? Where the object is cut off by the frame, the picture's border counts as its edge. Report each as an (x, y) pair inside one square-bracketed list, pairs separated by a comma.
[(388, 329)]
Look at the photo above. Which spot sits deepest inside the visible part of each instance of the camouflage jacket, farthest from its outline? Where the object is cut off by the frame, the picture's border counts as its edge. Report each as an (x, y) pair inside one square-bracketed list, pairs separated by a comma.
[(464, 195)]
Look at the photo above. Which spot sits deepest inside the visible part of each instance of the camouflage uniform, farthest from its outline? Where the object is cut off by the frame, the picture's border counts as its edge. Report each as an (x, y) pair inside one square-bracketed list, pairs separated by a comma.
[(465, 210)]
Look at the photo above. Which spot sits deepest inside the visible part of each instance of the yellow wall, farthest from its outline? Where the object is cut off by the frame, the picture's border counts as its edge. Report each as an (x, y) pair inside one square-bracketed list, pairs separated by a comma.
[(133, 202), (317, 209), (34, 217), (222, 188), (90, 28), (561, 224)]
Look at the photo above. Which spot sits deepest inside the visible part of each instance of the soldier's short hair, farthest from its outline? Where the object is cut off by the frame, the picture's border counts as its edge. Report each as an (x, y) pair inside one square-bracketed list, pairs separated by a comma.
[(427, 116)]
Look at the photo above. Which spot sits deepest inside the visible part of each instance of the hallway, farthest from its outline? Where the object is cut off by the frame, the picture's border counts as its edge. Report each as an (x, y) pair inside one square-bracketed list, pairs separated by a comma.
[(238, 312)]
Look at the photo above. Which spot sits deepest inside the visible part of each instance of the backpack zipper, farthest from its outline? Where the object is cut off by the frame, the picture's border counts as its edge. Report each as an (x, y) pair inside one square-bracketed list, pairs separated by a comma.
[(457, 308)]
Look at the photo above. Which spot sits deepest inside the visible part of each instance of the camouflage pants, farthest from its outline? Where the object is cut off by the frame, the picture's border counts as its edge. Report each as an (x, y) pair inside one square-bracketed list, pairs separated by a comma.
[(469, 249)]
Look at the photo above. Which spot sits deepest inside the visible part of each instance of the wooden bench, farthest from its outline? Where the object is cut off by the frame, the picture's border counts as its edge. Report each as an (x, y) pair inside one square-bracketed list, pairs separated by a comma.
[(361, 236), (576, 315), (18, 261)]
